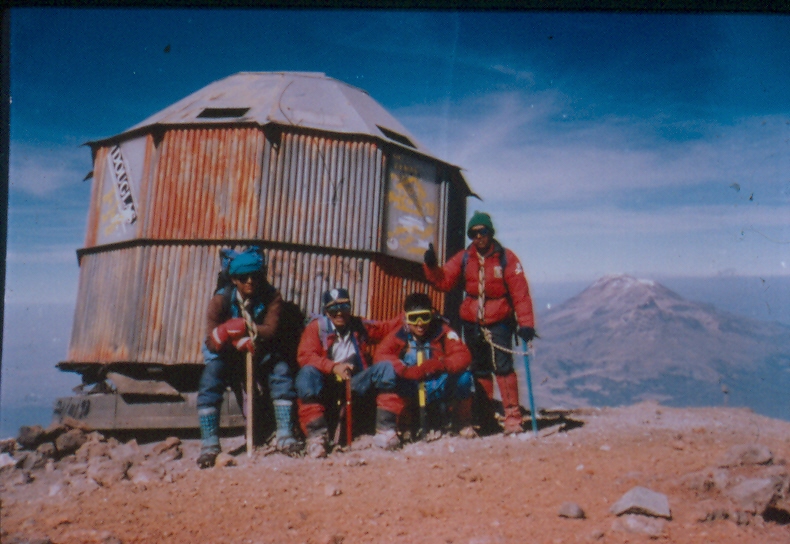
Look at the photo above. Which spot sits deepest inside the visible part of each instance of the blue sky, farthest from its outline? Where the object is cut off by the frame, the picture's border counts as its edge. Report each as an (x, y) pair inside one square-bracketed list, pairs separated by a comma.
[(652, 144)]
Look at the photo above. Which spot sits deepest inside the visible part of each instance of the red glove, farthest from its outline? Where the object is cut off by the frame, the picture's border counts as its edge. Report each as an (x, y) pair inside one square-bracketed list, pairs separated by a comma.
[(232, 329), (431, 366), (244, 343)]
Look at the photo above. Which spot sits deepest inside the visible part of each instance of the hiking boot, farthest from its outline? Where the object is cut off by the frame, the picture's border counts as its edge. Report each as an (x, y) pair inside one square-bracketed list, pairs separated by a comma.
[(207, 458), (387, 439), (287, 445), (508, 388), (316, 446)]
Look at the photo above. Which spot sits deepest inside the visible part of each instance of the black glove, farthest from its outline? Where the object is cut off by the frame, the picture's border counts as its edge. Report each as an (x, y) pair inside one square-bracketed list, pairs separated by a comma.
[(527, 334), (430, 257)]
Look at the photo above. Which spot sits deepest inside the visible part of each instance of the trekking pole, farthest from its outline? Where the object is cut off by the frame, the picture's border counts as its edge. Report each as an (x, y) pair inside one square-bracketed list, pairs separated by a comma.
[(529, 389), (422, 399), (248, 405), (349, 421)]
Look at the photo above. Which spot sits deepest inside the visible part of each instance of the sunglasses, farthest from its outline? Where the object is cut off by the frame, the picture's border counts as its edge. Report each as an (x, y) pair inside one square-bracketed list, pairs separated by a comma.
[(483, 231), (336, 309), (244, 278), (419, 317)]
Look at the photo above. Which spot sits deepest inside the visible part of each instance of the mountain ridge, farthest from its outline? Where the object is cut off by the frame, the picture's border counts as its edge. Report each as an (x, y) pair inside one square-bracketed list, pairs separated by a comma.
[(623, 340)]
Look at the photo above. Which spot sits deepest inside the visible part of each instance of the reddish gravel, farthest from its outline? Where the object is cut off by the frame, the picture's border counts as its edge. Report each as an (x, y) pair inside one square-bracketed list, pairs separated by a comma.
[(490, 490)]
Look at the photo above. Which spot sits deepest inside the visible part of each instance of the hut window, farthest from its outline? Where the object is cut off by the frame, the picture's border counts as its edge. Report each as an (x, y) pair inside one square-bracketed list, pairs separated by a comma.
[(221, 113), (392, 135)]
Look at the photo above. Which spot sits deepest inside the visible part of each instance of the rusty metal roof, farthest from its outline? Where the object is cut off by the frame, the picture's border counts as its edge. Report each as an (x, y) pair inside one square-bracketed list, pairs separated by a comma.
[(303, 99)]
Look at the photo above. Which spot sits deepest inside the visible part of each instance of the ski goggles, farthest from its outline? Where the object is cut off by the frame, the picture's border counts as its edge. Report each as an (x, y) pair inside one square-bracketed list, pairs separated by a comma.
[(419, 317), (335, 309), (244, 278), (478, 231)]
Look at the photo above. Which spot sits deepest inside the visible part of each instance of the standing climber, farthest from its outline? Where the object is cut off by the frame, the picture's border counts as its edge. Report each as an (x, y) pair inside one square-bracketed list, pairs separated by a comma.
[(431, 363), (243, 316), (497, 304), (335, 347)]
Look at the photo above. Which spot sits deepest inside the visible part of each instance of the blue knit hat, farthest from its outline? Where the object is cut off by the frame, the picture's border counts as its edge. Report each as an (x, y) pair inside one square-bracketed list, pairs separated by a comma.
[(248, 262)]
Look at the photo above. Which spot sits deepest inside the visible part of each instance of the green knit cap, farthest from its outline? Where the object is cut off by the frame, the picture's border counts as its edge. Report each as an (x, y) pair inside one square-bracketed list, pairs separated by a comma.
[(480, 219)]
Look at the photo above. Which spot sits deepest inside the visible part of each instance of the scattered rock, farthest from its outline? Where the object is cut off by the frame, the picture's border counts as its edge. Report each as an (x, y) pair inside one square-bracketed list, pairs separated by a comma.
[(172, 442), (72, 423), (571, 510), (225, 460), (332, 490), (47, 449), (640, 500), (755, 494), (107, 472), (644, 525), (6, 461), (597, 534), (22, 478), (9, 445), (55, 430), (92, 449), (70, 441), (716, 514), (747, 454), (705, 481), (31, 460), (30, 437)]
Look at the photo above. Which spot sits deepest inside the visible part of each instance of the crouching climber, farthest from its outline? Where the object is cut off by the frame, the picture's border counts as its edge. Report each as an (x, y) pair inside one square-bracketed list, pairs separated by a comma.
[(243, 317), (426, 349), (336, 347)]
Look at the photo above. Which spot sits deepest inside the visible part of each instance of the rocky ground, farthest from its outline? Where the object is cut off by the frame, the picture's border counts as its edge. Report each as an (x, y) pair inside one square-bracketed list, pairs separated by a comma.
[(632, 474)]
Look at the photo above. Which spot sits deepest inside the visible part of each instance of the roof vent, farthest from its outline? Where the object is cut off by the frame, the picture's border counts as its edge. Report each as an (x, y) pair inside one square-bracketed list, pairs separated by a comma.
[(222, 113), (392, 135)]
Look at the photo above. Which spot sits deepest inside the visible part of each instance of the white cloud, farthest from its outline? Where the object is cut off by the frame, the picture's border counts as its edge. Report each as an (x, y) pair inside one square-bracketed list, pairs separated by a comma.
[(519, 146), (41, 171)]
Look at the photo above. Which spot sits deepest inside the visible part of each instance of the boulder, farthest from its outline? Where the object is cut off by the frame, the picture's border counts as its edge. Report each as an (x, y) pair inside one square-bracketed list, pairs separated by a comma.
[(70, 441), (30, 437), (644, 525), (571, 510), (107, 472), (47, 449), (755, 495), (640, 500), (747, 454), (9, 445)]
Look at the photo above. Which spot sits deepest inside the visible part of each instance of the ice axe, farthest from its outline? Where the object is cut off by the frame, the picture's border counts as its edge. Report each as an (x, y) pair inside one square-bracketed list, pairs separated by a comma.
[(248, 405), (345, 413), (349, 420), (528, 375), (422, 399)]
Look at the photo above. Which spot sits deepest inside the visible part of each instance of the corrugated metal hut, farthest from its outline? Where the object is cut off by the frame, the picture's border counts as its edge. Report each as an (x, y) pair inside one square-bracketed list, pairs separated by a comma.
[(313, 170)]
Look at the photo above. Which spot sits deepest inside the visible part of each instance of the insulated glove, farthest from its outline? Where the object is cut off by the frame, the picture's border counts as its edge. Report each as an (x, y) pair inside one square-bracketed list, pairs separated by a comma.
[(244, 343), (527, 334), (428, 367), (232, 329), (430, 257)]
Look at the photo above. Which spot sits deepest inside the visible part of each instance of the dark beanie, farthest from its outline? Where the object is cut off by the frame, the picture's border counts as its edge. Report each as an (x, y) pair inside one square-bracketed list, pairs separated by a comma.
[(480, 219)]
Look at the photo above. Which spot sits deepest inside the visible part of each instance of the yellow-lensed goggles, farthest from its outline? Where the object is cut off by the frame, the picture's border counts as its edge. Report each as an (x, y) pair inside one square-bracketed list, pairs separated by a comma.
[(419, 317)]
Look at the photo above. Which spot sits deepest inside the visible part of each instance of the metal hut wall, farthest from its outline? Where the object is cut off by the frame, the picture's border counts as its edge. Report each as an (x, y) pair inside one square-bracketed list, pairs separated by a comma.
[(333, 187)]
